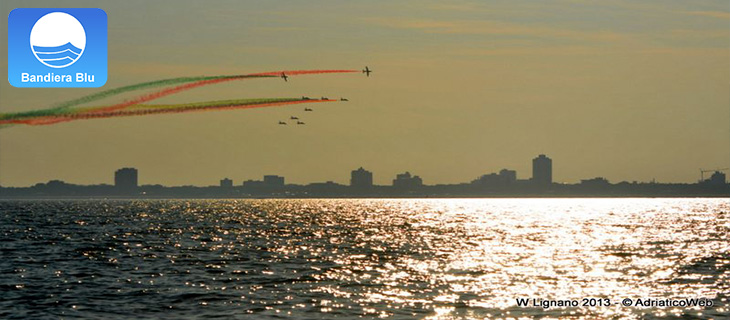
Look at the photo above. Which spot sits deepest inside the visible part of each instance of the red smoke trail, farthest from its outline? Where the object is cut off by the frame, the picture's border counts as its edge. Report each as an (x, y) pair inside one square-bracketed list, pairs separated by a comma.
[(122, 113), (156, 95), (300, 72), (180, 88), (162, 93)]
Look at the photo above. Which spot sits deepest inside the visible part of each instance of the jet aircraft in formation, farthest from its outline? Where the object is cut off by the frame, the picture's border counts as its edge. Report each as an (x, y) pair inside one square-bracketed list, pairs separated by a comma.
[(366, 71), (306, 110)]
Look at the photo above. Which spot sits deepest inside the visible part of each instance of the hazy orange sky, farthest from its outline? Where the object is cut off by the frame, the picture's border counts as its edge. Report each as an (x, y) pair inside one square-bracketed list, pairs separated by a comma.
[(627, 90)]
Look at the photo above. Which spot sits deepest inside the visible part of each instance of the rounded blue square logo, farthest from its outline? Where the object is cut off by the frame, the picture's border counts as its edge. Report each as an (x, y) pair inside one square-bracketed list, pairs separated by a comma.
[(57, 48)]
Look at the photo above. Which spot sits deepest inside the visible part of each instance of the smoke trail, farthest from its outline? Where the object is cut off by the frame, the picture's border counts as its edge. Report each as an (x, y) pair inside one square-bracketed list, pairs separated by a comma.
[(78, 113), (63, 106), (138, 86), (139, 110), (185, 87), (301, 72), (165, 92), (192, 82)]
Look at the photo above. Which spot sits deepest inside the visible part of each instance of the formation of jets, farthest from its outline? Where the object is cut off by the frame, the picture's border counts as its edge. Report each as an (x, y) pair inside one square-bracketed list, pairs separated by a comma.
[(366, 71), (283, 123)]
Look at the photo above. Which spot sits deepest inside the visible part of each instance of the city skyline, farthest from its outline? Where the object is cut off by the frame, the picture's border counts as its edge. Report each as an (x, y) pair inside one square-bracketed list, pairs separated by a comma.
[(700, 175), (127, 179), (627, 90)]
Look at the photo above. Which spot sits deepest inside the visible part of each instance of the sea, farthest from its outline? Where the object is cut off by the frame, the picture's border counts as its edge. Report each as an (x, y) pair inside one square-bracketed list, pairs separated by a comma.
[(610, 258)]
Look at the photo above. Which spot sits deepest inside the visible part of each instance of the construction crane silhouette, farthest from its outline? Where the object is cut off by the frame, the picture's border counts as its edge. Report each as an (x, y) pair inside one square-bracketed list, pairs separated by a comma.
[(703, 171)]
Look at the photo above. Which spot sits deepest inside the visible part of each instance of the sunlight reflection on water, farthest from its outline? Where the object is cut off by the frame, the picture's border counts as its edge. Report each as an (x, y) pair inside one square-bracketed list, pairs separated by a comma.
[(436, 259)]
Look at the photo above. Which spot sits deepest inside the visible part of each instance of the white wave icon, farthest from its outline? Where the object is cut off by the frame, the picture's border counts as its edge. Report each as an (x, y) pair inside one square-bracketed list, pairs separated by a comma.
[(58, 40)]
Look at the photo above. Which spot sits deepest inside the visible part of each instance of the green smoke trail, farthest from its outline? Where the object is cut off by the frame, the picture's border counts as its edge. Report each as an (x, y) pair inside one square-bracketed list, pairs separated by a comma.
[(183, 83), (63, 107), (219, 103), (140, 110), (196, 84)]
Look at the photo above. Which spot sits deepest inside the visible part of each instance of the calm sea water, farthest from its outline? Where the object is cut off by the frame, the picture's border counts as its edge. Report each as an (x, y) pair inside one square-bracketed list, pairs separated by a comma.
[(401, 259)]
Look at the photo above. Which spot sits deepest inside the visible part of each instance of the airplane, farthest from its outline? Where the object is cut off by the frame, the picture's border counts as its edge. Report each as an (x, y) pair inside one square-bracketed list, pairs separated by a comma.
[(343, 99), (282, 122), (367, 71), (293, 118), (299, 122), (285, 77), (307, 109)]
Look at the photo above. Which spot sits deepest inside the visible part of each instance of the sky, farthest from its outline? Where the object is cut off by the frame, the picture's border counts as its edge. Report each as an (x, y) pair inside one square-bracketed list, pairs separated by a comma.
[(626, 90)]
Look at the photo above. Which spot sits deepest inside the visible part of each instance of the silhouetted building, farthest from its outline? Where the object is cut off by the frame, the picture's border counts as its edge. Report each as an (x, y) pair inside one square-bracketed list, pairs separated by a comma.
[(328, 188), (56, 186), (508, 176), (595, 182), (504, 178), (717, 179), (253, 184), (125, 180), (542, 170), (361, 178), (226, 183), (406, 181), (487, 179), (273, 181), (270, 182)]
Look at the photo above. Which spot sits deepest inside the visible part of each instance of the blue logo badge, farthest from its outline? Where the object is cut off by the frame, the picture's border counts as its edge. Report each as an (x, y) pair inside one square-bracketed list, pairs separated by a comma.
[(57, 48)]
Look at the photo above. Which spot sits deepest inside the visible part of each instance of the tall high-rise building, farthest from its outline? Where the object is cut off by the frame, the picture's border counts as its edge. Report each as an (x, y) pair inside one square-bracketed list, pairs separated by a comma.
[(542, 170), (125, 180), (361, 178)]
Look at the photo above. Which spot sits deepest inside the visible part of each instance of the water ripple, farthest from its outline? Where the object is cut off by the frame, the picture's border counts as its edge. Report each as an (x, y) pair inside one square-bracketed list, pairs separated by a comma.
[(314, 259)]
